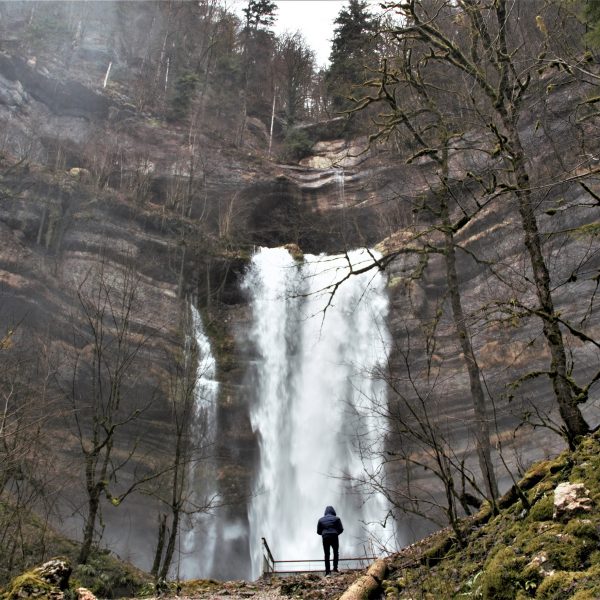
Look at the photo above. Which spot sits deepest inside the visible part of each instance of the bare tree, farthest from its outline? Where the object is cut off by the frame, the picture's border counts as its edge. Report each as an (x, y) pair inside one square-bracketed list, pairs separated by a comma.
[(458, 58), (191, 449), (101, 396), (27, 465), (423, 446), (294, 66), (418, 113)]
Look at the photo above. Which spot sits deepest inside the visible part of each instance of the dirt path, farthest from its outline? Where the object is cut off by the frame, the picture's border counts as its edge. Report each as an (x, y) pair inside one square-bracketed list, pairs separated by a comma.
[(308, 587)]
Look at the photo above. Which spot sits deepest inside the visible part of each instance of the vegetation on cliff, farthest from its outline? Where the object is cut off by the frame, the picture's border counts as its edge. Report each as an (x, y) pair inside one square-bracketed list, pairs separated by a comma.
[(530, 549)]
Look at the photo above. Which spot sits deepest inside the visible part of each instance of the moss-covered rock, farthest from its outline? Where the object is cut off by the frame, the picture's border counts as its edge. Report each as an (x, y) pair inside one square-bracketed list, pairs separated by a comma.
[(108, 577), (543, 509), (29, 585), (49, 580), (583, 528), (557, 587), (502, 575)]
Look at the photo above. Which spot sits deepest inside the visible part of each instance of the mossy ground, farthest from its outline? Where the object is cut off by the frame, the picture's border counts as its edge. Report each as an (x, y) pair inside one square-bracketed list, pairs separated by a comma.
[(104, 574), (520, 553), (28, 583)]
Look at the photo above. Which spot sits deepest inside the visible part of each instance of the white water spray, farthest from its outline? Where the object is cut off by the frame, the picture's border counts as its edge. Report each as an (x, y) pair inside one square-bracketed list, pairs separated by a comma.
[(313, 388), (198, 542), (340, 184)]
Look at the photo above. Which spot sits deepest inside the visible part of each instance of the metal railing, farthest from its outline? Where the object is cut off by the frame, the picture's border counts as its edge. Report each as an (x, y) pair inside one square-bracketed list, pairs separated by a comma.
[(282, 568)]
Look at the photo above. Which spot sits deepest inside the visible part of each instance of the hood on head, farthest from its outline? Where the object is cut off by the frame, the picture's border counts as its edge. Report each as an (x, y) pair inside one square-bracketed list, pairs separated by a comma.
[(330, 511)]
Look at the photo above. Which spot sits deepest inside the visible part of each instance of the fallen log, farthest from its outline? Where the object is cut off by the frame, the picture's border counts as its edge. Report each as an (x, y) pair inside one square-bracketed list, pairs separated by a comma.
[(364, 586)]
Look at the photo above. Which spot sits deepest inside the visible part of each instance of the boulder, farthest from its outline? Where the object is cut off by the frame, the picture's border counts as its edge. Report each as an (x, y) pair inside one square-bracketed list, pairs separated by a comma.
[(47, 581), (56, 572), (12, 92), (570, 498), (85, 594)]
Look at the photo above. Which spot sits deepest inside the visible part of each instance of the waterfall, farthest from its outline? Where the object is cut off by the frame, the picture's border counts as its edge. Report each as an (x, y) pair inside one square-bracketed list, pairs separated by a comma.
[(340, 184), (199, 540), (313, 386)]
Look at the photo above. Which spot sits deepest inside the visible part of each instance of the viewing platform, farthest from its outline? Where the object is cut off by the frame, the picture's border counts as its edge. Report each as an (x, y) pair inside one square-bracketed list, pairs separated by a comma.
[(283, 568)]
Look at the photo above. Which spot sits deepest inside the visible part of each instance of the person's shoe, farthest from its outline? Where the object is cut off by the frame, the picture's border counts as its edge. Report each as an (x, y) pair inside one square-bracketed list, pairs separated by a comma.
[(335, 571), (327, 574)]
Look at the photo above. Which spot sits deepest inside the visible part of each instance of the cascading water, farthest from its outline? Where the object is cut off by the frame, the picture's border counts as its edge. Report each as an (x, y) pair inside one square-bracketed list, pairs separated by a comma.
[(340, 184), (198, 542), (316, 354)]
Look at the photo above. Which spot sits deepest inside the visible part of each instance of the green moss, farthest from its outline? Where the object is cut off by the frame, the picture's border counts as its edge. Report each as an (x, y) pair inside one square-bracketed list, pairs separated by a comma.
[(594, 558), (569, 553), (107, 577), (528, 547), (593, 594), (556, 587), (195, 586), (391, 592), (543, 509), (394, 281), (28, 584), (502, 575), (582, 528), (587, 230), (439, 550), (565, 552)]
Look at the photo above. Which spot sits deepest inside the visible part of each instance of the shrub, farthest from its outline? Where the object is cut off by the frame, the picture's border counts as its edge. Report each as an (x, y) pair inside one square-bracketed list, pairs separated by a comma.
[(185, 88), (297, 145)]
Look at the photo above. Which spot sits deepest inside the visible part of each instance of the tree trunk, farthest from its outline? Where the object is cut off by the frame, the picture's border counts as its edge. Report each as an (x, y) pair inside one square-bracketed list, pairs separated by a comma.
[(171, 545), (90, 525), (162, 531), (575, 424), (482, 430), (366, 586)]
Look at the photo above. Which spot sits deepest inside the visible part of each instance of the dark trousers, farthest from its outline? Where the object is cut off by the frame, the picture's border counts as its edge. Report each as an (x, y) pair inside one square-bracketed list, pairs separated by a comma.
[(331, 541)]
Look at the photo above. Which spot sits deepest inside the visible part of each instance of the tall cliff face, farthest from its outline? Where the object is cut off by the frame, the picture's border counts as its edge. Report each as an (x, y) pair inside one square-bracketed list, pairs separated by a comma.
[(88, 180), (91, 184)]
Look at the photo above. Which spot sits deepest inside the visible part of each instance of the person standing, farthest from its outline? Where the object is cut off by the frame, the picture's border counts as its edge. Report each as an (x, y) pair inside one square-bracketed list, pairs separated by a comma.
[(330, 527)]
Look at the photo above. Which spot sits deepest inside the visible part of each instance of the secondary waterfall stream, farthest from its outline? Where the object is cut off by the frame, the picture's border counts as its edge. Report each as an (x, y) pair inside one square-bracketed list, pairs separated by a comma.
[(313, 384), (199, 539)]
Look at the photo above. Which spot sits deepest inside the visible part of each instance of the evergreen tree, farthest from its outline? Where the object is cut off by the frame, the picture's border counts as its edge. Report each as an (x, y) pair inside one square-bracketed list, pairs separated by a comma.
[(260, 13), (352, 50), (185, 88), (258, 50)]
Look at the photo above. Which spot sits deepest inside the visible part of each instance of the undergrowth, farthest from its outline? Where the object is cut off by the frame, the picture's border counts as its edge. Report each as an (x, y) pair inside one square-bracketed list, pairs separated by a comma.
[(520, 553)]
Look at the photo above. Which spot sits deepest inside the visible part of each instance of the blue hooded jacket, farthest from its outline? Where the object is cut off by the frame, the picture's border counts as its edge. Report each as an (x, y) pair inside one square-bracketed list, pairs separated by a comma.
[(329, 523)]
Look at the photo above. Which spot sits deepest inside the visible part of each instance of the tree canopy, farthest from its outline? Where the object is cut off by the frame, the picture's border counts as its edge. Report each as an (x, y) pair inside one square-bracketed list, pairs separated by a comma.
[(351, 51)]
